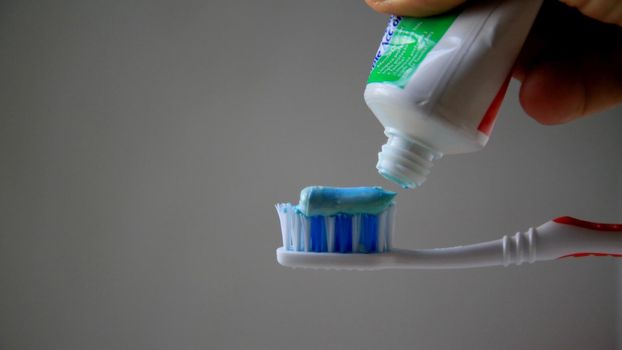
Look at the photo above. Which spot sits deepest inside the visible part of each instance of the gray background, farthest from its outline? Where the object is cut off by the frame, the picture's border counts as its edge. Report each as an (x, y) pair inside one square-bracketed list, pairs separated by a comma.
[(144, 143)]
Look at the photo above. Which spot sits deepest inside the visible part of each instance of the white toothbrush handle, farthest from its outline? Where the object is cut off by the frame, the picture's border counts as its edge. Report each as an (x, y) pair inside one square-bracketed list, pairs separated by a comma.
[(563, 237), (559, 238), (566, 237)]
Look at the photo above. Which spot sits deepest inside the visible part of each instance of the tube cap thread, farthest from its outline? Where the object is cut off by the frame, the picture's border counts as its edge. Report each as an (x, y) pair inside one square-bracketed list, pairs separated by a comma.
[(404, 160)]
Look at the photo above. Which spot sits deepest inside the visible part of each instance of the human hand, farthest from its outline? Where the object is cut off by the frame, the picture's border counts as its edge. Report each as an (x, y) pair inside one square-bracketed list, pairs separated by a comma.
[(571, 63)]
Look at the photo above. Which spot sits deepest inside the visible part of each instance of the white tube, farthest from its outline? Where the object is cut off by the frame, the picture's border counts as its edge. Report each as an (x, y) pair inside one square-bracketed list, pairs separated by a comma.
[(437, 82)]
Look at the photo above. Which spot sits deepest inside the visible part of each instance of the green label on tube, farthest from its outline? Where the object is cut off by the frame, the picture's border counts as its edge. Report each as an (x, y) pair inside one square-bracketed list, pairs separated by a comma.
[(405, 43)]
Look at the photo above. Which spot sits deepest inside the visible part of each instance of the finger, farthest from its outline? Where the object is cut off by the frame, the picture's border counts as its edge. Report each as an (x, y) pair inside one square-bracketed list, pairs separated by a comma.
[(414, 8), (570, 65), (608, 11), (556, 92)]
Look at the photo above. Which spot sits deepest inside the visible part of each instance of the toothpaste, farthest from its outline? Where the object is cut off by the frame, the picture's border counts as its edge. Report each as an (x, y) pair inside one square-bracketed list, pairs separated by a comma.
[(437, 83), (320, 200)]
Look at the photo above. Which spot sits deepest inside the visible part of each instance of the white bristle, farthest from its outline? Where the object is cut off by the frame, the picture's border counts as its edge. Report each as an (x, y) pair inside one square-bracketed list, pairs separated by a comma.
[(281, 209), (305, 233), (382, 218), (294, 230), (330, 233), (389, 227), (356, 220)]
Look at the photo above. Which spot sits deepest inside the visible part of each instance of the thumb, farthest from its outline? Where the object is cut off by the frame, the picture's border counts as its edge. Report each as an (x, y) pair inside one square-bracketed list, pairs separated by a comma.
[(608, 11), (413, 8)]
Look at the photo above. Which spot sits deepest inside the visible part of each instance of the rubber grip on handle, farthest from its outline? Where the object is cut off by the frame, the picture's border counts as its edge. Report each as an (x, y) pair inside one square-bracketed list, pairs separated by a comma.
[(595, 227)]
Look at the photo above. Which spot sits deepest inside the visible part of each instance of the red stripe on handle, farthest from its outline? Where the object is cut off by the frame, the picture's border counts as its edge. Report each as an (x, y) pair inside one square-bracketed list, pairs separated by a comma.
[(568, 220), (584, 254)]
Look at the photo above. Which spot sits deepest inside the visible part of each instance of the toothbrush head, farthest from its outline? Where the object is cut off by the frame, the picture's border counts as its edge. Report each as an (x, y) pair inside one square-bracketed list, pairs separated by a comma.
[(341, 233), (339, 261), (336, 238)]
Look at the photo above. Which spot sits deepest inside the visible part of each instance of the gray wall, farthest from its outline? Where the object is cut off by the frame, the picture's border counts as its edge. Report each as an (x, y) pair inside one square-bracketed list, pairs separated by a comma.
[(143, 145)]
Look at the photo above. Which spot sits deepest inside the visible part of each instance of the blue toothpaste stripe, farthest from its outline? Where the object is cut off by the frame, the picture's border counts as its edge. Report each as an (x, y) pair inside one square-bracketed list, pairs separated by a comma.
[(322, 200)]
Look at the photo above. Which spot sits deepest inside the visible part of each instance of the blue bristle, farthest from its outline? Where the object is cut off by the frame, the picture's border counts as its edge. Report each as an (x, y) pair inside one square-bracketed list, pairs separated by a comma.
[(340, 233), (318, 239), (343, 233), (368, 241)]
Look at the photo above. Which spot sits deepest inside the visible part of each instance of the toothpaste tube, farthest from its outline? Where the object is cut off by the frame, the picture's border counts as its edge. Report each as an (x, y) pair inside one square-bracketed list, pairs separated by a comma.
[(437, 83)]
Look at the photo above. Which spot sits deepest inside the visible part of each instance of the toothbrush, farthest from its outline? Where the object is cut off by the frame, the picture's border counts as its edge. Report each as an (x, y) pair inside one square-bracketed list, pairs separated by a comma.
[(363, 242)]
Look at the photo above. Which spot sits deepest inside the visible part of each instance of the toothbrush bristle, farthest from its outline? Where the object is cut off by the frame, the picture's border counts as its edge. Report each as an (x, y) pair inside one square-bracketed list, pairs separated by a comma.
[(340, 233)]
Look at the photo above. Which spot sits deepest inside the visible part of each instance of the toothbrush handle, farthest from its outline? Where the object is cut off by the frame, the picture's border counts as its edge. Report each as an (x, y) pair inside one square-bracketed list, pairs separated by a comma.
[(563, 237), (566, 237)]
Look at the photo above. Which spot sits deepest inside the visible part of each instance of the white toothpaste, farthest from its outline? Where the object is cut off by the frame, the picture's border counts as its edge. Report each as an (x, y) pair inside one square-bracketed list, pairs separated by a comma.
[(436, 83)]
